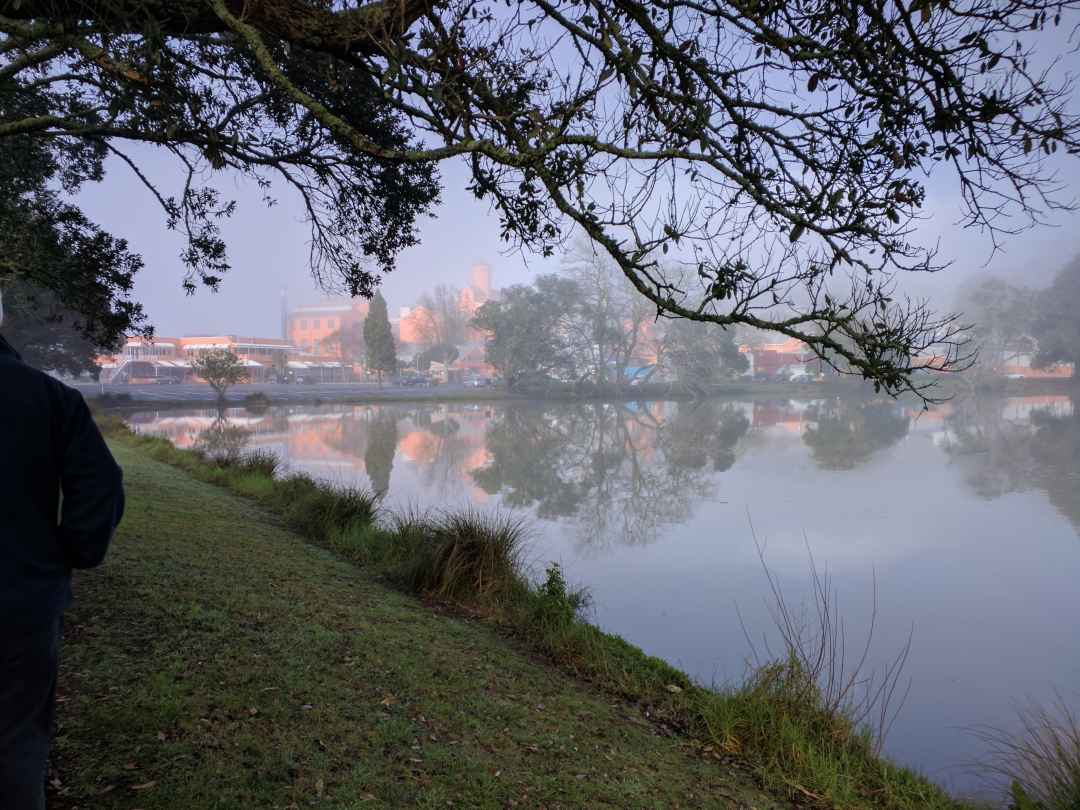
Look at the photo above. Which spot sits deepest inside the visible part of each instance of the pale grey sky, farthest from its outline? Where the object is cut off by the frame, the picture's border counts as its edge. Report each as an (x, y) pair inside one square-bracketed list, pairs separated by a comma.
[(268, 250)]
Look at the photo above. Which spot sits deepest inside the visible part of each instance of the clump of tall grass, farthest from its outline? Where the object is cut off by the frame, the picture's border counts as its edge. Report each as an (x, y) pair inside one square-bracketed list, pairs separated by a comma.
[(263, 462), (463, 556), (846, 701), (110, 424), (812, 710), (554, 605), (1041, 762), (318, 511)]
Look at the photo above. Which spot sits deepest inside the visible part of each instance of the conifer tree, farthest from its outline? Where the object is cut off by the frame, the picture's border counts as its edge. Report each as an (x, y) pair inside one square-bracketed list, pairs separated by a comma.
[(379, 339)]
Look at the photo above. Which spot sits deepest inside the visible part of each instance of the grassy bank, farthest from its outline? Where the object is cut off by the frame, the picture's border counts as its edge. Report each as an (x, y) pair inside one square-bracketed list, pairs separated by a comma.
[(219, 661), (799, 741)]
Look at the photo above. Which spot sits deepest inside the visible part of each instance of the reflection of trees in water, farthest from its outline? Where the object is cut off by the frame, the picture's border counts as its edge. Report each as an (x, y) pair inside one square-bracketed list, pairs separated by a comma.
[(1000, 455), (442, 470), (223, 441), (847, 433), (623, 472), (704, 433), (370, 434), (527, 447), (382, 439), (374, 433)]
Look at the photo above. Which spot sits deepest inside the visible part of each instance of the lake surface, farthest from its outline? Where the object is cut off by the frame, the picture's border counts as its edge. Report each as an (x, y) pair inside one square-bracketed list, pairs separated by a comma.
[(962, 525)]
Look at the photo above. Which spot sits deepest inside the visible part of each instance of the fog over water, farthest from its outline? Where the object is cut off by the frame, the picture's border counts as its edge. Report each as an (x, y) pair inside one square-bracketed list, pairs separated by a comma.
[(965, 520)]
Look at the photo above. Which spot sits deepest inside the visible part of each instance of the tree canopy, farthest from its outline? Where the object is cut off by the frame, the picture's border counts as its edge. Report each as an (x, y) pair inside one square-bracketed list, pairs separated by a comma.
[(67, 284), (612, 322), (440, 319), (699, 355), (1057, 324), (775, 153), (529, 330), (220, 368), (45, 333), (1003, 316)]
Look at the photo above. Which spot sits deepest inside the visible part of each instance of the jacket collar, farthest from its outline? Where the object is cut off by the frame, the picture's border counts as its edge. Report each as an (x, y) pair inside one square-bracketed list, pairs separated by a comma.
[(6, 350)]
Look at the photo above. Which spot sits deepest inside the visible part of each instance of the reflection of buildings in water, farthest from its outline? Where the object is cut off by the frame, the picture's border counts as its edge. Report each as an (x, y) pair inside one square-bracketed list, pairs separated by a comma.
[(184, 430), (604, 459), (1018, 444), (942, 420), (439, 442), (1021, 408), (781, 417), (419, 447), (445, 446), (315, 441)]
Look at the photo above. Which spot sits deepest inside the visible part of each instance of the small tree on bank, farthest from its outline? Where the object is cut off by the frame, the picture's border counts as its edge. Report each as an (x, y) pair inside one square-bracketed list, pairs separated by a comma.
[(379, 339), (220, 368)]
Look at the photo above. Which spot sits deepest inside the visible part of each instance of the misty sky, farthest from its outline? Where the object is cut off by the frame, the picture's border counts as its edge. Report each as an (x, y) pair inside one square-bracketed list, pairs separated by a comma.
[(268, 248)]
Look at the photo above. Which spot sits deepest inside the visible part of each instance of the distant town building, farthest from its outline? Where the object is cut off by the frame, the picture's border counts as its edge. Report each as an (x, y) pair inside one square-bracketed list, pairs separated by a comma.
[(479, 290), (311, 328), (1017, 362), (411, 326), (773, 360), (310, 347), (264, 358), (167, 359)]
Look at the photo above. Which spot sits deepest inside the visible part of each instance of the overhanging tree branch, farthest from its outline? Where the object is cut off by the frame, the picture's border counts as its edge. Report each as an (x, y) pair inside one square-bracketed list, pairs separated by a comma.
[(758, 163)]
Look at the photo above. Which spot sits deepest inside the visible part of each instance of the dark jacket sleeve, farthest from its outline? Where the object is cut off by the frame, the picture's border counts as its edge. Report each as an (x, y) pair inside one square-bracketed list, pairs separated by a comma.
[(92, 486)]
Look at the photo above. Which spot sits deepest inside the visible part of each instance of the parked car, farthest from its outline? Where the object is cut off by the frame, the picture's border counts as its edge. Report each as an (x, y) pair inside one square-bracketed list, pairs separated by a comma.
[(414, 380)]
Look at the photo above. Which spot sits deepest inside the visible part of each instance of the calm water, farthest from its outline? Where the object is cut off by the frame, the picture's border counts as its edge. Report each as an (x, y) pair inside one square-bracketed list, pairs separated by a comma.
[(967, 517)]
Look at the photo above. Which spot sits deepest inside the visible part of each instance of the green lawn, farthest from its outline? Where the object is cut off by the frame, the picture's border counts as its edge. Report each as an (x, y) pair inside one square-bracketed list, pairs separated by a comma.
[(218, 661)]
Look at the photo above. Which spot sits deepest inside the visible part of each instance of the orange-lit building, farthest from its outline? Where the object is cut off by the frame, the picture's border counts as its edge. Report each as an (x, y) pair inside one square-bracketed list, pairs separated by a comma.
[(1018, 362), (412, 325), (479, 290), (166, 359), (771, 360), (264, 358), (311, 328), (413, 322)]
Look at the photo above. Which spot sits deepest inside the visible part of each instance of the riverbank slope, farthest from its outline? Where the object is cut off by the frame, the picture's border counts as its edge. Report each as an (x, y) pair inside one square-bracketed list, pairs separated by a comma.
[(218, 660)]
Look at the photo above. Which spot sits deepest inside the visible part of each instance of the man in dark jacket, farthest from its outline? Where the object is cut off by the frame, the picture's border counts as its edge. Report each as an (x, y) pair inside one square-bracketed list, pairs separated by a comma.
[(49, 447)]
